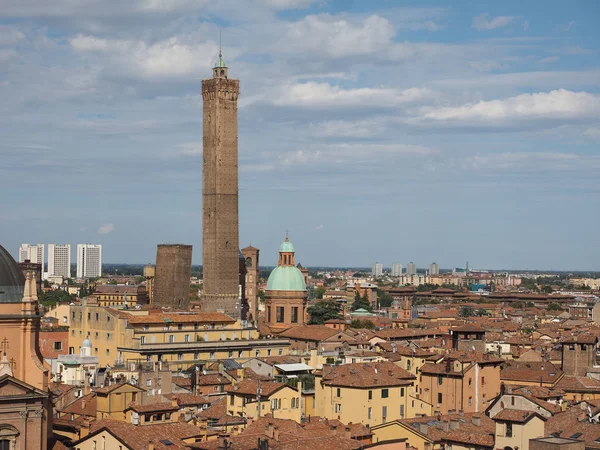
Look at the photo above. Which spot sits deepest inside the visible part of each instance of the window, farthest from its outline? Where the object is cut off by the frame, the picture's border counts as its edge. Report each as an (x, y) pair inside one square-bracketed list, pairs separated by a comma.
[(280, 352), (268, 352), (179, 326), (89, 316), (240, 353), (73, 315), (196, 355), (470, 401), (212, 355), (408, 364), (369, 413), (142, 339), (186, 338), (294, 314), (171, 338), (401, 411), (509, 430), (401, 392), (440, 379), (180, 357), (483, 381), (57, 345), (107, 351), (280, 314), (512, 401), (385, 393), (71, 350), (268, 313), (231, 399), (97, 317), (338, 408), (583, 347), (440, 398), (384, 413), (96, 334), (370, 395), (470, 381), (149, 383), (338, 392), (230, 354)]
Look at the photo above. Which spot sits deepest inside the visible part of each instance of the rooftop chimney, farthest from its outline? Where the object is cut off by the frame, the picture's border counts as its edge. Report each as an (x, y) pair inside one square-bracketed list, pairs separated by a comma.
[(423, 428), (223, 441), (348, 432), (476, 421), (454, 424), (276, 433), (150, 445)]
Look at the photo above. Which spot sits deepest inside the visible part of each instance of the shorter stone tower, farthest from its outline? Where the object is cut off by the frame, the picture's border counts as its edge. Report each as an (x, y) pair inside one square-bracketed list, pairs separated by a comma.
[(579, 354), (172, 280), (286, 296), (252, 274)]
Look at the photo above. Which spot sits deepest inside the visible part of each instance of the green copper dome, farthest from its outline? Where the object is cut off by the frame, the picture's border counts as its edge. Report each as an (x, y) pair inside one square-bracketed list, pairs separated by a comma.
[(286, 247), (220, 62), (286, 278)]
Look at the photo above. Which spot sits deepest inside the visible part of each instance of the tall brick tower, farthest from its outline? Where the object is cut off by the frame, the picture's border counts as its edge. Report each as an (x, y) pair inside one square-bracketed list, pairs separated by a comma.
[(220, 246)]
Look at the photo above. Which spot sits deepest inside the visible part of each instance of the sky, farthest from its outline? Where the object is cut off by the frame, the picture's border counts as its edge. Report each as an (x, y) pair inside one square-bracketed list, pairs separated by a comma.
[(371, 130)]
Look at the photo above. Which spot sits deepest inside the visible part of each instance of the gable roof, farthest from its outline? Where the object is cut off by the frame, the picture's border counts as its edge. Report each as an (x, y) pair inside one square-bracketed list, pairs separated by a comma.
[(364, 375)]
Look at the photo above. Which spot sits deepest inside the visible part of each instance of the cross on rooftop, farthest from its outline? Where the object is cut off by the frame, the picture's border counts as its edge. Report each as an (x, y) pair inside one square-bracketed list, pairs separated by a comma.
[(4, 345)]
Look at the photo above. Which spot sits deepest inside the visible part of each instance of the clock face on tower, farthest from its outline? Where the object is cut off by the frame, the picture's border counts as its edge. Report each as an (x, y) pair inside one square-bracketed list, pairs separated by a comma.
[(248, 262)]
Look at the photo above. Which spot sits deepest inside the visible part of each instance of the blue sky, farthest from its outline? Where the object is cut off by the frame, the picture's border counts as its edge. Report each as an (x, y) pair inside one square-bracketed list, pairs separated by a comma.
[(372, 130)]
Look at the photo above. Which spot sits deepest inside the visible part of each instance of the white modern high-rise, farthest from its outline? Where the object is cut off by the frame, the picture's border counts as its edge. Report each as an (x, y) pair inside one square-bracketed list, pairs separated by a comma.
[(89, 260), (434, 269), (59, 260), (411, 268), (377, 269), (396, 269), (34, 253)]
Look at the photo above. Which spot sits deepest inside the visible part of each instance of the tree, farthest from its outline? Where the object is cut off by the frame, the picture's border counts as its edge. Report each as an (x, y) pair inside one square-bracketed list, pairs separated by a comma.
[(261, 295), (52, 298), (547, 289), (554, 307), (466, 311), (357, 323), (319, 291), (361, 302), (322, 311), (385, 298), (481, 312)]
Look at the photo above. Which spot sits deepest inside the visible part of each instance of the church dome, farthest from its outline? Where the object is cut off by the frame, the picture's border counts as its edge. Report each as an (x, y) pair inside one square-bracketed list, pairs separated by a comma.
[(12, 282), (286, 247), (86, 343), (286, 278)]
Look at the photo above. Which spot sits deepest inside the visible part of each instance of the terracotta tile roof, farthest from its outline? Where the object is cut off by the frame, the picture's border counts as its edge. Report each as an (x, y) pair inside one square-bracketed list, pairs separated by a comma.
[(538, 391), (205, 317), (531, 372), (468, 328), (515, 415), (112, 387), (408, 333), (467, 432), (570, 383), (168, 436), (249, 387), (312, 333), (153, 407), (364, 375), (585, 338), (216, 410), (189, 399), (572, 422), (183, 382), (83, 406), (291, 436), (474, 357)]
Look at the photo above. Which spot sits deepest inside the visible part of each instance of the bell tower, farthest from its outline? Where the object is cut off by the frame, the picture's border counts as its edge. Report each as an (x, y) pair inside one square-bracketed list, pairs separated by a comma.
[(220, 239)]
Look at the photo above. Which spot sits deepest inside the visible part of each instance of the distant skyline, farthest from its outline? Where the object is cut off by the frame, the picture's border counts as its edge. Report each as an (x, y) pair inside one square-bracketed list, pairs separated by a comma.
[(372, 130)]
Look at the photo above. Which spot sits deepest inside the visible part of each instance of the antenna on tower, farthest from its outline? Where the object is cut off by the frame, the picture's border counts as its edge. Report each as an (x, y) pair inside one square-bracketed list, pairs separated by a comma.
[(220, 47)]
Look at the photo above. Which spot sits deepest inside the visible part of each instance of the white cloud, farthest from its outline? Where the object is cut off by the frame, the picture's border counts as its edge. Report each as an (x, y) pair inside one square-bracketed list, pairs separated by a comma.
[(530, 161), (324, 95), (593, 132), (9, 36), (168, 58), (549, 59), (190, 148), (288, 4), (338, 37), (319, 227), (106, 228), (484, 22), (558, 104), (351, 129), (525, 25)]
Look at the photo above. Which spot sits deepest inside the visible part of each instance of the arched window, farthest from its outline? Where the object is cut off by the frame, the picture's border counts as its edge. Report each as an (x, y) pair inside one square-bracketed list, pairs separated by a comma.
[(8, 437)]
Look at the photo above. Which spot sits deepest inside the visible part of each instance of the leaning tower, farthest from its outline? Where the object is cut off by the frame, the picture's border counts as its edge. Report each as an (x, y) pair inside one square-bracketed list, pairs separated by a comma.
[(220, 247)]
